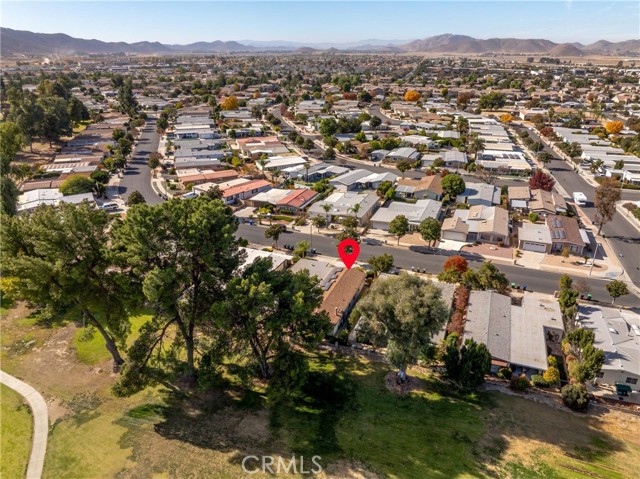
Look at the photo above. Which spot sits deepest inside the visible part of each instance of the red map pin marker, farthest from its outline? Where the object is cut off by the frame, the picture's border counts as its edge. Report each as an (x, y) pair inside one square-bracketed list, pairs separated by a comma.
[(348, 258)]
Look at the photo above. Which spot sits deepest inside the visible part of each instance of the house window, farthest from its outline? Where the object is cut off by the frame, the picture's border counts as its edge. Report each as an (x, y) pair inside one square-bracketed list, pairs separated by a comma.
[(632, 381), (600, 374)]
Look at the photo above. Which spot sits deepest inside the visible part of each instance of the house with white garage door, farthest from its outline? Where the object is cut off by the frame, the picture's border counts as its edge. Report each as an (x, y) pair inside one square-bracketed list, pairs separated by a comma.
[(534, 237)]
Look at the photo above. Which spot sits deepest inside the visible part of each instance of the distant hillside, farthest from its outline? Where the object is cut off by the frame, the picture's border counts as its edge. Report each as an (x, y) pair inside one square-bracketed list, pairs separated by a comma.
[(565, 50), (218, 46), (17, 42), (449, 43), (462, 44)]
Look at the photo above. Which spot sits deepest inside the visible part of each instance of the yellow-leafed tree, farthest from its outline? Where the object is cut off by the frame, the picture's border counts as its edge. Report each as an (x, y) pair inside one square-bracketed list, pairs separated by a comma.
[(613, 127), (229, 103), (411, 95), (506, 118)]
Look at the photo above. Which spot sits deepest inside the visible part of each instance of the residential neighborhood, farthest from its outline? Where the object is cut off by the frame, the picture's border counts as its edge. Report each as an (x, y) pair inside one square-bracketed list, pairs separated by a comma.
[(399, 258)]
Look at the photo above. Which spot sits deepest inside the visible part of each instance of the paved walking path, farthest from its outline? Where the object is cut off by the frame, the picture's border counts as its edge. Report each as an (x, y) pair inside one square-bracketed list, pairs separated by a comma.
[(40, 422)]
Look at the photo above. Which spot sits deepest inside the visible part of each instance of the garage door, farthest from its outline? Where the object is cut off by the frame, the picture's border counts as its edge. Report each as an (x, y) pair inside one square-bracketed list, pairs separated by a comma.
[(537, 247)]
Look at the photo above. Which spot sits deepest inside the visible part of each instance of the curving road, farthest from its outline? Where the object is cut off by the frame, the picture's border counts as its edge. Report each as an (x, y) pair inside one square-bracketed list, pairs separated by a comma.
[(40, 422), (137, 175)]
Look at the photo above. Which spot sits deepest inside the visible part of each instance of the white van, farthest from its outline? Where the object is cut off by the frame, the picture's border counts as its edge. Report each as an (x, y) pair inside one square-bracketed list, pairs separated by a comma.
[(579, 198)]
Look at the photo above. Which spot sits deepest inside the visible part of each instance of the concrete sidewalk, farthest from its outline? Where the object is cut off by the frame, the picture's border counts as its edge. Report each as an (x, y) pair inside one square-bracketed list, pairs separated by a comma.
[(40, 422)]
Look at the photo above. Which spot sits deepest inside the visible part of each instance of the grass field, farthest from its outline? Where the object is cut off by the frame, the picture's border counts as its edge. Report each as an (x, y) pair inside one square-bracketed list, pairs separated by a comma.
[(346, 415), (15, 434), (90, 346)]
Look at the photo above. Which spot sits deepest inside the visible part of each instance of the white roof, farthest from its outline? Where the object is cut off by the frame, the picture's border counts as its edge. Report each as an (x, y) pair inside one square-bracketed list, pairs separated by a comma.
[(273, 196), (252, 254), (415, 212), (536, 233), (617, 333)]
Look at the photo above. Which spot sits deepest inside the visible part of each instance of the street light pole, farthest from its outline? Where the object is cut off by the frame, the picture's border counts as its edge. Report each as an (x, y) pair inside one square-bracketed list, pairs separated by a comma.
[(593, 260)]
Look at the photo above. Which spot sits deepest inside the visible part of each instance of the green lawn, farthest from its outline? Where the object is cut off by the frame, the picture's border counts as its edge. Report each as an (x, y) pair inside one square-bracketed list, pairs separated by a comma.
[(90, 346), (346, 415), (15, 440)]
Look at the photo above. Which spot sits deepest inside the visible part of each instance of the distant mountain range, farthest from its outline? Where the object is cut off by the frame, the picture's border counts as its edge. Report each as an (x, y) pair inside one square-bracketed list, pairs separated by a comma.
[(24, 42)]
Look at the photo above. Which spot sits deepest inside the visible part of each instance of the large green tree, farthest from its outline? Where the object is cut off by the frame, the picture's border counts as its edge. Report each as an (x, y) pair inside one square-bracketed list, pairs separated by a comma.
[(399, 226), (266, 311), (402, 313), (60, 259), (429, 229), (453, 184), (181, 253)]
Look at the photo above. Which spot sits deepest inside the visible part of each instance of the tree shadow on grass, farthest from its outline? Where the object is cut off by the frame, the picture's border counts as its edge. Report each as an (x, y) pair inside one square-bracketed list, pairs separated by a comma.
[(346, 413)]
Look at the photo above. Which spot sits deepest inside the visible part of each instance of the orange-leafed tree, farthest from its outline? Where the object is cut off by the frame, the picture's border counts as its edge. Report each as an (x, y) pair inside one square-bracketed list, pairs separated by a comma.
[(613, 127), (506, 118), (411, 95), (229, 103), (457, 263)]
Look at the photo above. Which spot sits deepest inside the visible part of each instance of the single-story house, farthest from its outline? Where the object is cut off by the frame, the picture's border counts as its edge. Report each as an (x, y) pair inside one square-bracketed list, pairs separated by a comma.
[(534, 237), (455, 229), (30, 200), (426, 187), (297, 200), (350, 180), (486, 224), (206, 176), (414, 212), (480, 194), (279, 261), (518, 336), (547, 203), (379, 155), (617, 333), (244, 191), (342, 204), (342, 296), (269, 197), (565, 232), (454, 158), (281, 162), (519, 197), (405, 153), (324, 271)]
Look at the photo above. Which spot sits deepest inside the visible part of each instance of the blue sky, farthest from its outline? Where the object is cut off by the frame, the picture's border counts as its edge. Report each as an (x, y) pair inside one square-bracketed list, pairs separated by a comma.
[(326, 21)]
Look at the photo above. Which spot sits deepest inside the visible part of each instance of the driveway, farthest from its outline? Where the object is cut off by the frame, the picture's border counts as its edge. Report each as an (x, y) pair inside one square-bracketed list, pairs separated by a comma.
[(40, 422)]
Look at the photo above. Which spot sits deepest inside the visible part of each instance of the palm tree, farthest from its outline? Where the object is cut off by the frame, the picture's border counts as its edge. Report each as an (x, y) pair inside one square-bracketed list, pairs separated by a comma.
[(276, 174), (354, 209), (307, 165), (475, 146), (262, 163), (327, 207)]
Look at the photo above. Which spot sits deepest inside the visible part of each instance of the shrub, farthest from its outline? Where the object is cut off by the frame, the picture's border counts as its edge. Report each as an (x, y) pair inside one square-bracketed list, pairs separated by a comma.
[(533, 217), (520, 383), (505, 373), (576, 397), (539, 381), (552, 376), (552, 361)]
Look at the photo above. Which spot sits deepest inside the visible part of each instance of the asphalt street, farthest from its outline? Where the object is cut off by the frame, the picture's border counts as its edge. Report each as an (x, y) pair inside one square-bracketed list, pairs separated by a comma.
[(622, 237), (431, 262), (137, 175)]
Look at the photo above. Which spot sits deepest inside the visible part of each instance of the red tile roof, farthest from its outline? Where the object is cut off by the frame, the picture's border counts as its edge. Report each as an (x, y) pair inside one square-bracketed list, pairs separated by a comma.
[(298, 198)]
